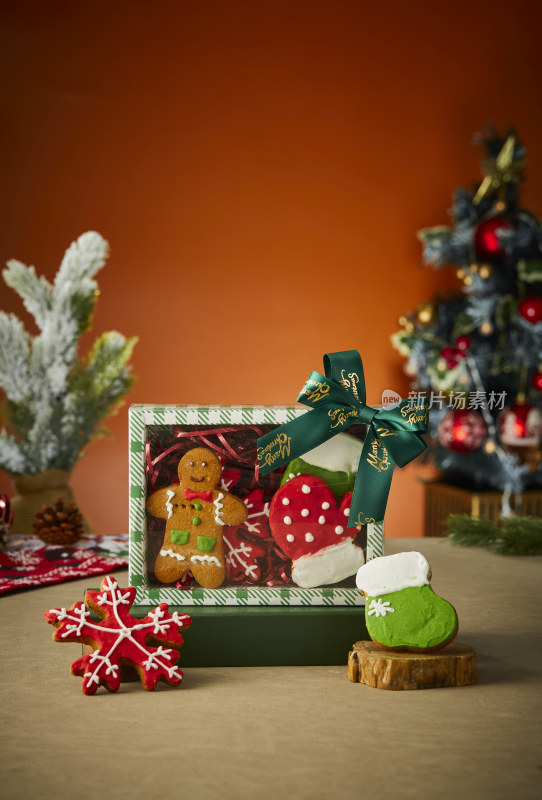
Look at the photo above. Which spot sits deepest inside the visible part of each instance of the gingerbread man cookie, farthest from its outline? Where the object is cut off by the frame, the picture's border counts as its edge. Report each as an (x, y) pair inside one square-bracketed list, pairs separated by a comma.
[(195, 511)]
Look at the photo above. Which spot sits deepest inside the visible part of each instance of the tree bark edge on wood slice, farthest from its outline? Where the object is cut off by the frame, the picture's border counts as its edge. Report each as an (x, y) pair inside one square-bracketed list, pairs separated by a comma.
[(454, 665)]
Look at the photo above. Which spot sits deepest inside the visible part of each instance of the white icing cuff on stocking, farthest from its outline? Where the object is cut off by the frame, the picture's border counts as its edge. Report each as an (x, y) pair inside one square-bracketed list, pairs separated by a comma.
[(329, 565), (392, 573), (340, 454)]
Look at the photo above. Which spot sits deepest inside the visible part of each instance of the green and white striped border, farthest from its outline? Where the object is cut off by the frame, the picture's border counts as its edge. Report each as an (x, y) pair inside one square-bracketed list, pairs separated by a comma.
[(141, 416)]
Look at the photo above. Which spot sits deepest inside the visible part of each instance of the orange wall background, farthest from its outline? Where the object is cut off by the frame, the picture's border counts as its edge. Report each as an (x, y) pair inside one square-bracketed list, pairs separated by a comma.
[(260, 170)]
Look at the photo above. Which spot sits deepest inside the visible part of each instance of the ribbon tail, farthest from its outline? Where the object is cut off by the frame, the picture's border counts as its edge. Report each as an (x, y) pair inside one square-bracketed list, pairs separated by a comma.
[(372, 484)]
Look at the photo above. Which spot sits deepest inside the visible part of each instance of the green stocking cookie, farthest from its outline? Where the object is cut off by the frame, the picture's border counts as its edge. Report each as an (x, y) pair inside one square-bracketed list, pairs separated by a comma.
[(402, 612)]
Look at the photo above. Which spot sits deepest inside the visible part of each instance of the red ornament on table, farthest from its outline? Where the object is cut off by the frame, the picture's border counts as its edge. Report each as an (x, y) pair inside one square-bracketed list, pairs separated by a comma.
[(462, 430), (486, 238), (6, 518), (531, 309)]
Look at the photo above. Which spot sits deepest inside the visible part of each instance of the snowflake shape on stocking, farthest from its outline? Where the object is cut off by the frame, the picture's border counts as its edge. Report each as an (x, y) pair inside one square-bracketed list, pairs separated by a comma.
[(380, 608), (119, 638)]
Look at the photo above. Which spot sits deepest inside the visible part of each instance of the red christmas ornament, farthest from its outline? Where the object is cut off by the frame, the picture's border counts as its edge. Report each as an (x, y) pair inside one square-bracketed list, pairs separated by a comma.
[(520, 425), (531, 309), (486, 240), (462, 430), (463, 343), (6, 512), (6, 518), (452, 356), (536, 380)]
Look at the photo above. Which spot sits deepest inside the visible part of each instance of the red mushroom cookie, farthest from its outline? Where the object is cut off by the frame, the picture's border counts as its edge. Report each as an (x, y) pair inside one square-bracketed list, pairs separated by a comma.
[(311, 530), (195, 511)]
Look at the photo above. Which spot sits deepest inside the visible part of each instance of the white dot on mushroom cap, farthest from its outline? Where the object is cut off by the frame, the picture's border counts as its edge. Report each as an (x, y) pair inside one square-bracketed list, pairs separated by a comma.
[(304, 512), (339, 529), (321, 519), (346, 512), (309, 537), (325, 506), (287, 520), (305, 489), (290, 537), (285, 501)]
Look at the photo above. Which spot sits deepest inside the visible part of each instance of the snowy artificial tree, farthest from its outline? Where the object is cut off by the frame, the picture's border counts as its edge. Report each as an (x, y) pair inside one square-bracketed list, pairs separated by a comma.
[(476, 352), (54, 401)]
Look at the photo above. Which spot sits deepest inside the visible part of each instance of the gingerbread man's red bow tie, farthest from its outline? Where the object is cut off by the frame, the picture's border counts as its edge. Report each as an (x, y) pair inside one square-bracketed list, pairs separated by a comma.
[(190, 495)]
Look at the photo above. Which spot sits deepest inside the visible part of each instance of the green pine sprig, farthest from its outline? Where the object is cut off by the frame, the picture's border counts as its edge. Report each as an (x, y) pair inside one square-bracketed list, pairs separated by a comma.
[(520, 536), (511, 536)]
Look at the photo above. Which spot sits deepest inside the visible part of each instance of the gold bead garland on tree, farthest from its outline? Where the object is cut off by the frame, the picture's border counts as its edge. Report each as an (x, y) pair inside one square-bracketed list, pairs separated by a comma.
[(425, 316), (486, 328), (59, 524), (466, 274), (406, 323)]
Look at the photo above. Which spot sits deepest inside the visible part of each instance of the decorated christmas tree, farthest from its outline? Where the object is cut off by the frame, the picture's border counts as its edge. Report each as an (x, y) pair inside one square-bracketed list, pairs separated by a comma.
[(476, 352)]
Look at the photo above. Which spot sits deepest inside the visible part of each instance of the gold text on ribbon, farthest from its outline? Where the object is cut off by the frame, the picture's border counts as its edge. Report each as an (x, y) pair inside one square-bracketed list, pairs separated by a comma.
[(278, 448), (363, 519), (378, 458), (321, 390), (386, 432), (415, 414), (350, 382), (340, 415)]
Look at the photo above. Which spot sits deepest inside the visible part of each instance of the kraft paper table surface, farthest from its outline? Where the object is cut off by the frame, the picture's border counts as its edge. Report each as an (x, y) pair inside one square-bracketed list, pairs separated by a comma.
[(287, 732)]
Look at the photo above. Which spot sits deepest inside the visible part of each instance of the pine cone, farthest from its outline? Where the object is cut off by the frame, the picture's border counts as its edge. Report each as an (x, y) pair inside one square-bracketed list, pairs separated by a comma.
[(59, 523)]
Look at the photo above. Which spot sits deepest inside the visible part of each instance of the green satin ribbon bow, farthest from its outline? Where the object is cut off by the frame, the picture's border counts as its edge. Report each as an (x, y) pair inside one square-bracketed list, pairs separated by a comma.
[(337, 400)]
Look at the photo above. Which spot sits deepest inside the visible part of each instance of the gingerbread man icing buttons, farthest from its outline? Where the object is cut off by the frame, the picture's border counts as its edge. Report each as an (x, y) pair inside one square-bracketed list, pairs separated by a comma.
[(196, 510)]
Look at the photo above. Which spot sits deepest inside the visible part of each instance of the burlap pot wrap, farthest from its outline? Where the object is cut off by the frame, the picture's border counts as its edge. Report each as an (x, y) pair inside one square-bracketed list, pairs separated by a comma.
[(35, 491)]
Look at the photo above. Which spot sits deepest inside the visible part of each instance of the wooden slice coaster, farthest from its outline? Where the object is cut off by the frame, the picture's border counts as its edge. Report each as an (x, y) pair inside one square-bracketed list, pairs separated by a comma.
[(375, 666)]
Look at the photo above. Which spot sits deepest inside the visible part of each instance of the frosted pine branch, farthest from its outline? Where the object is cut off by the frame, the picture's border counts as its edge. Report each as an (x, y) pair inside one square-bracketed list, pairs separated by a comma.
[(14, 354), (12, 456), (98, 386), (35, 292), (54, 403), (82, 259)]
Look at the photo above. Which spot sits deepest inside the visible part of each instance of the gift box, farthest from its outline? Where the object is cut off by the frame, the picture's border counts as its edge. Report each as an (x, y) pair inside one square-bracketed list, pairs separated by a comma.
[(262, 566), (256, 519)]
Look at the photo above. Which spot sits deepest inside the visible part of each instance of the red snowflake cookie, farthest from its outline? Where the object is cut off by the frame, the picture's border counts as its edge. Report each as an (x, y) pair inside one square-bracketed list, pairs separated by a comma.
[(243, 552), (312, 530), (119, 638)]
